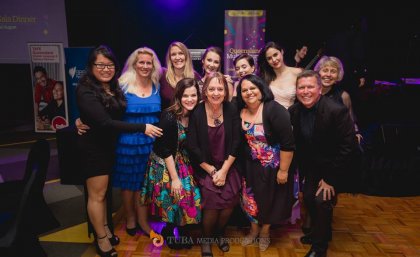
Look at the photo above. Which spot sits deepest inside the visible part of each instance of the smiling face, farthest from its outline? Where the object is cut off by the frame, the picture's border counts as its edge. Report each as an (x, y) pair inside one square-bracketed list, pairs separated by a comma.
[(144, 65), (189, 99), (243, 68), (40, 78), (308, 91), (215, 92), (106, 74), (58, 91), (250, 93), (177, 58), (302, 52), (329, 75), (274, 57), (211, 63)]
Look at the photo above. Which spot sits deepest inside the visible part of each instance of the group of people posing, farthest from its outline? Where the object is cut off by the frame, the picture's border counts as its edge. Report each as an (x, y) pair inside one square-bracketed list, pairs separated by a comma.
[(187, 147)]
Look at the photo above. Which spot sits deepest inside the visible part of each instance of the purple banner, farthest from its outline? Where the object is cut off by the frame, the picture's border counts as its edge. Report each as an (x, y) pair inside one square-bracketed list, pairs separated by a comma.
[(23, 21), (244, 33)]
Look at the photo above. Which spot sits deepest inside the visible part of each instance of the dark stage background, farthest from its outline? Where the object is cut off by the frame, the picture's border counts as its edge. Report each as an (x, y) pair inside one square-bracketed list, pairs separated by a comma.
[(385, 41)]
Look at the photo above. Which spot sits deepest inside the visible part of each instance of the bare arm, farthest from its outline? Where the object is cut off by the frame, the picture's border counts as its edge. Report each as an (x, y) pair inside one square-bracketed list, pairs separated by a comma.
[(285, 161)]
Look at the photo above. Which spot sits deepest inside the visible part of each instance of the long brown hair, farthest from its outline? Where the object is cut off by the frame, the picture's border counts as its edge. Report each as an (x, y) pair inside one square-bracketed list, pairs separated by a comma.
[(176, 108)]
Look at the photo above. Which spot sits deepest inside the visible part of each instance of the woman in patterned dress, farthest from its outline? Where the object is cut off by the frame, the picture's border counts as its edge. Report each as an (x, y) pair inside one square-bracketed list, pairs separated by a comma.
[(169, 187), (267, 190)]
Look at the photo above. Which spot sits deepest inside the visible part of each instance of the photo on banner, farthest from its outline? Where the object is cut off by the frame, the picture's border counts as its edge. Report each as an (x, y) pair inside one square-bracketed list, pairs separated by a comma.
[(48, 86), (244, 33)]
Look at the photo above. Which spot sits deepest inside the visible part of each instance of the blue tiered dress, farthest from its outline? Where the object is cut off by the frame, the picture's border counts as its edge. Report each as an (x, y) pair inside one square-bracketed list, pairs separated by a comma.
[(133, 149)]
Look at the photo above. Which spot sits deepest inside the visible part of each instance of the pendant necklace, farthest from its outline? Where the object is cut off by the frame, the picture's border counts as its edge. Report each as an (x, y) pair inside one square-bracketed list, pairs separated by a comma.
[(216, 118), (216, 121)]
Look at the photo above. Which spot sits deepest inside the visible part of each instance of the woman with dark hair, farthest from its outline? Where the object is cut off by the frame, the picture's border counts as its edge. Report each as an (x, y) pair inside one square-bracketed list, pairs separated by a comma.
[(280, 77), (212, 62), (101, 104), (213, 142), (244, 65), (169, 187), (267, 190), (56, 108)]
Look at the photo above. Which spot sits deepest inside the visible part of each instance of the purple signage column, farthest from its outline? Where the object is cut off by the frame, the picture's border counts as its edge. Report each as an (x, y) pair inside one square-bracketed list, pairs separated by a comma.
[(244, 33)]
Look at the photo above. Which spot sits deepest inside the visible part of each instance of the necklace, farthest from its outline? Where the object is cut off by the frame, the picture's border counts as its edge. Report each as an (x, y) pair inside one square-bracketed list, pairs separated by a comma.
[(216, 121), (254, 118), (216, 118)]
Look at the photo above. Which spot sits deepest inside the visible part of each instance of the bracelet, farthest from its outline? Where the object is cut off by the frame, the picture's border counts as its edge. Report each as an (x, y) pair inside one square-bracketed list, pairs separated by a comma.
[(213, 172)]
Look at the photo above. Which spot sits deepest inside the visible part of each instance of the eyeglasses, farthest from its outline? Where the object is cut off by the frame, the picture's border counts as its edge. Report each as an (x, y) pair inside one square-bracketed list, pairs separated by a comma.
[(101, 66)]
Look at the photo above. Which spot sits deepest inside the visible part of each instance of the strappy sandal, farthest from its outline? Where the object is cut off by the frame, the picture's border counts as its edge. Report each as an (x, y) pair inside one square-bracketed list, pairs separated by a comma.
[(223, 244), (207, 253), (248, 239), (114, 239), (264, 242)]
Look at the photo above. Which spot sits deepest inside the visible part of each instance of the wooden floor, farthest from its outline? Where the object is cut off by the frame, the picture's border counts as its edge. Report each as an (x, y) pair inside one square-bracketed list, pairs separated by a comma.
[(363, 226)]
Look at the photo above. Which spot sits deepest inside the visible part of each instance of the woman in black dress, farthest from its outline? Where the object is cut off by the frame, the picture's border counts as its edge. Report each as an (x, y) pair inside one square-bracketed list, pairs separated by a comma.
[(267, 187), (101, 104)]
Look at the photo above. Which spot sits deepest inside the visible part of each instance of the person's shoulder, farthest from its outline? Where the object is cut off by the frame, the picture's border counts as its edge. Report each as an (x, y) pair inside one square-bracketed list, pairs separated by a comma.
[(274, 106), (168, 116), (293, 108), (345, 94), (331, 105), (197, 75), (296, 70)]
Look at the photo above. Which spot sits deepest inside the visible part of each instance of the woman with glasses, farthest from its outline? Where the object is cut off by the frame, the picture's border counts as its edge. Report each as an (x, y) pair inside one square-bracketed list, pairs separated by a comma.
[(267, 187), (101, 103)]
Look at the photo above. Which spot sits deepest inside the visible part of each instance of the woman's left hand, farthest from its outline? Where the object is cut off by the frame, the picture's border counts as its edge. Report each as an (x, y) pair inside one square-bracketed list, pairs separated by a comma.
[(176, 188), (228, 79), (81, 127), (219, 179), (359, 137), (281, 176)]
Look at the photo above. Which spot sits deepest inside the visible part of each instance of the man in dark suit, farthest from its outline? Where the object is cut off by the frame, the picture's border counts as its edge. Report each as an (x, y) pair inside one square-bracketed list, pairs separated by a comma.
[(325, 144)]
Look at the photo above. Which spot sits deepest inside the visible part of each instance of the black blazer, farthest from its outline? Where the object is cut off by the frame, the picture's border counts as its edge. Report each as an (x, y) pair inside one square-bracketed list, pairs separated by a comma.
[(198, 138), (333, 142)]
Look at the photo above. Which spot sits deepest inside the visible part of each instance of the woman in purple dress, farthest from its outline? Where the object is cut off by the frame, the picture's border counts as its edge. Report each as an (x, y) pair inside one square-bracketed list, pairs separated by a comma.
[(213, 142)]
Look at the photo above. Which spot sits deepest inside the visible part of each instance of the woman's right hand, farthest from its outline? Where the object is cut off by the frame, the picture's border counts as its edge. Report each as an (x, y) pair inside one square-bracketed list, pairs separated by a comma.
[(81, 128), (153, 131)]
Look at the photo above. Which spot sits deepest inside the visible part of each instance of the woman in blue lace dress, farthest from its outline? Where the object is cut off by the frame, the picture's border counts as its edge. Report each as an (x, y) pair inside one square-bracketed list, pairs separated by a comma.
[(267, 187), (140, 83)]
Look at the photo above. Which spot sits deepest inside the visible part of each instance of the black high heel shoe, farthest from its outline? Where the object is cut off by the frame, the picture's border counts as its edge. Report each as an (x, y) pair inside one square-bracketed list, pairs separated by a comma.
[(131, 231), (110, 253), (114, 240)]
